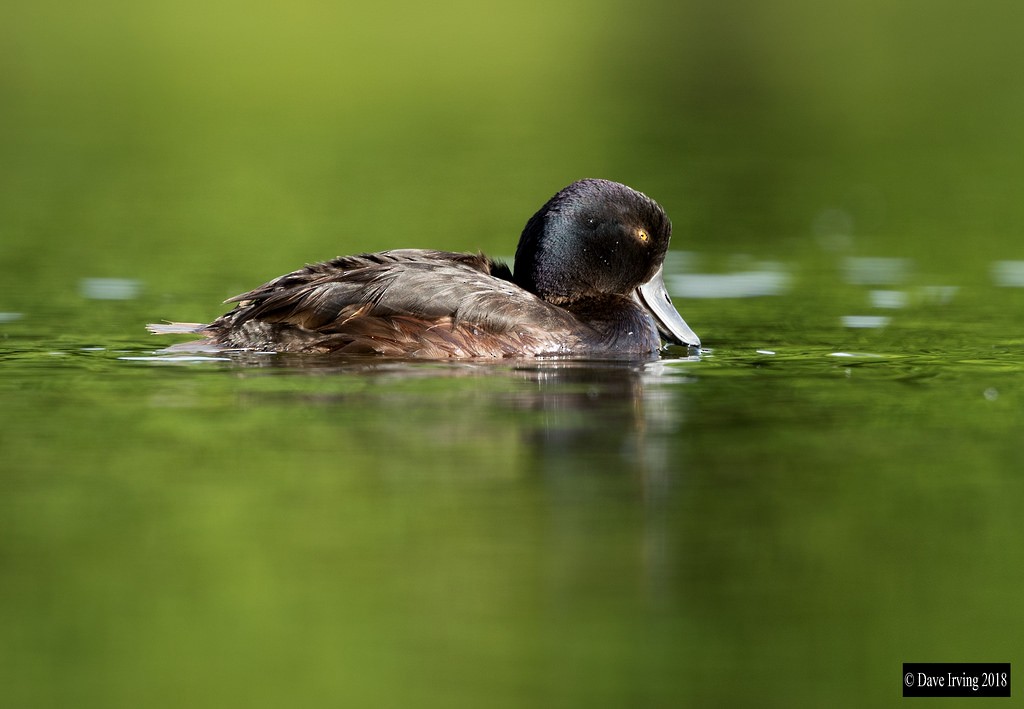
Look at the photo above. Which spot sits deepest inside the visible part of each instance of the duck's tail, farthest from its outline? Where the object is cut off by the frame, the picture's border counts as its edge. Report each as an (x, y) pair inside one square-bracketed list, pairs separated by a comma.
[(205, 344), (176, 328)]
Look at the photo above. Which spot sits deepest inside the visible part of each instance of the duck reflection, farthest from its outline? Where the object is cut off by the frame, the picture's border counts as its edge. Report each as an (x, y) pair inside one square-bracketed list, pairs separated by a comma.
[(573, 417), (605, 449), (598, 417), (589, 453)]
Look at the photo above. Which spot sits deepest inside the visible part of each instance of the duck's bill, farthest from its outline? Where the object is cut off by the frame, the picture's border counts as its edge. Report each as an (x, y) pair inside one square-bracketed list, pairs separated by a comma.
[(653, 296)]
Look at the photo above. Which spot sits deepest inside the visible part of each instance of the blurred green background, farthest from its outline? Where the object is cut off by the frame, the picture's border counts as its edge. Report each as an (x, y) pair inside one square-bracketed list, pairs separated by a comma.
[(232, 534), (190, 143)]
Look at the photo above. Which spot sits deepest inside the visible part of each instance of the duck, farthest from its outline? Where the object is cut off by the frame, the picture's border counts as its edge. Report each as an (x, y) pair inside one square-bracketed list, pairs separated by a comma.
[(587, 281)]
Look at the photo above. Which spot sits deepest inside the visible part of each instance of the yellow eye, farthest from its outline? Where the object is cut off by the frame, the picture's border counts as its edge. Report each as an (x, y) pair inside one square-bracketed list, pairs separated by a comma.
[(643, 235)]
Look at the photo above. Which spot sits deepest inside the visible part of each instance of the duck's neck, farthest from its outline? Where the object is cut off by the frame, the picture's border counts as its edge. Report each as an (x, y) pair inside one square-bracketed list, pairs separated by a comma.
[(623, 325)]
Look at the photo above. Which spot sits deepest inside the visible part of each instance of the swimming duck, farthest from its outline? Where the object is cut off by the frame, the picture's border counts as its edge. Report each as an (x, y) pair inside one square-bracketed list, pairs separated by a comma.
[(587, 282)]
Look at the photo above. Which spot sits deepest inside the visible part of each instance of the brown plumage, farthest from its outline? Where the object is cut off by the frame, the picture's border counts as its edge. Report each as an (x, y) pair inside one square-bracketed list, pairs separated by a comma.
[(373, 304)]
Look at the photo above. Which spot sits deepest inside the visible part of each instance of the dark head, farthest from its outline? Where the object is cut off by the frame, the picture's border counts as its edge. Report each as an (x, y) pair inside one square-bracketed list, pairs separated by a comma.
[(598, 238)]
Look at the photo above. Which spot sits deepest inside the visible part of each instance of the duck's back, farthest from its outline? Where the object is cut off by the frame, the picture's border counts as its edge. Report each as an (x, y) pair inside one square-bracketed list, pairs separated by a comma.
[(402, 303)]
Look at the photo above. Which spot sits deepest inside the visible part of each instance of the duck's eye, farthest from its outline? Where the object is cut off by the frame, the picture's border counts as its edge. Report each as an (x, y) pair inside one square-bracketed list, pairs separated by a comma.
[(642, 234)]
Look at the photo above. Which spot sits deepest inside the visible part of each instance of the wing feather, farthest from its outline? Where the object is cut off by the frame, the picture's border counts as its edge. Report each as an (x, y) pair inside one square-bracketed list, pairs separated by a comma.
[(403, 302)]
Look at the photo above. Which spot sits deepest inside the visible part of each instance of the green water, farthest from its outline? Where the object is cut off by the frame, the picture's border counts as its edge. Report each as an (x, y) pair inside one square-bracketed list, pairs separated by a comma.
[(832, 488)]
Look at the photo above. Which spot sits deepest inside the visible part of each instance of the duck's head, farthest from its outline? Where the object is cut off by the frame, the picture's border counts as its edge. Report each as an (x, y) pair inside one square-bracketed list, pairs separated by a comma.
[(598, 238)]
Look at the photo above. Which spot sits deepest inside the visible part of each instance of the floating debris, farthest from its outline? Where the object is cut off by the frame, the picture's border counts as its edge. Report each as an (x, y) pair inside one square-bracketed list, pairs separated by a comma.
[(110, 288), (865, 321), (889, 299), (769, 278), (1008, 274), (875, 271)]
